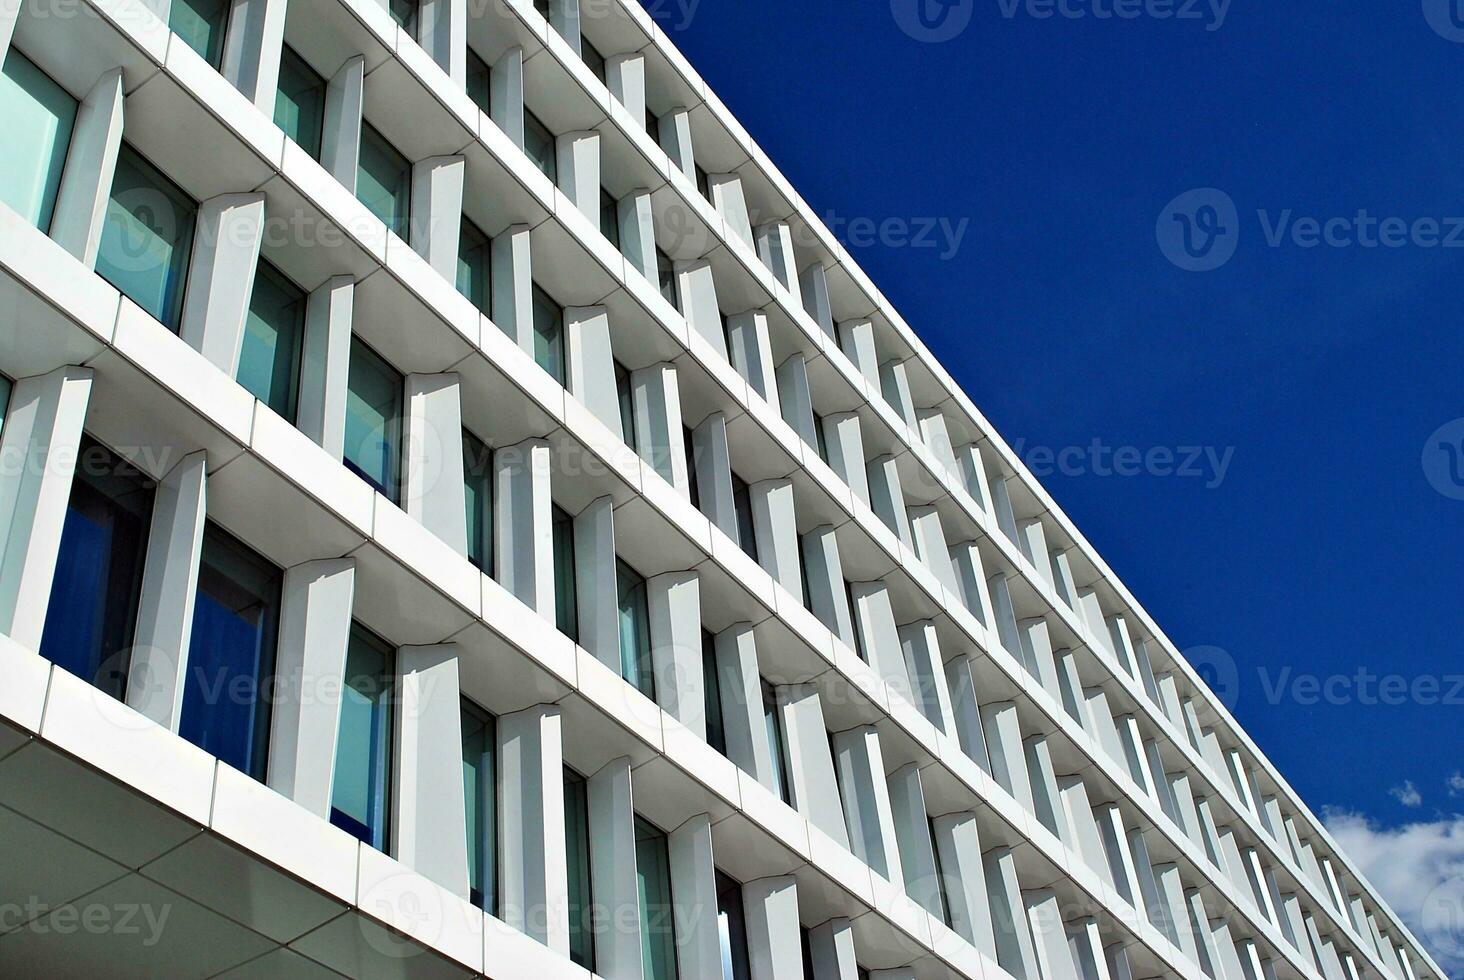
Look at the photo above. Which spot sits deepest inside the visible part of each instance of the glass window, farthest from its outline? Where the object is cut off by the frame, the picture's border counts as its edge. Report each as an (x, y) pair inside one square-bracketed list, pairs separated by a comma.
[(635, 629), (657, 914), (693, 485), (231, 657), (653, 125), (300, 103), (4, 399), (593, 59), (36, 116), (361, 789), (742, 504), (478, 497), (274, 336), (566, 613), (732, 929), (820, 439), (92, 613), (200, 23), (854, 612), (610, 218), (773, 719), (666, 276), (404, 12), (540, 145), (940, 878), (549, 335), (577, 861), (147, 237), (542, 6), (703, 182), (474, 265), (712, 691), (384, 181), (373, 419), (626, 395), (480, 794), (480, 82)]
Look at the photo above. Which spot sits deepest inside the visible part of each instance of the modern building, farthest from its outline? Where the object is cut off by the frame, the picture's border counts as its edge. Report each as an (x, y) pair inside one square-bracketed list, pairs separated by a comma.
[(462, 514)]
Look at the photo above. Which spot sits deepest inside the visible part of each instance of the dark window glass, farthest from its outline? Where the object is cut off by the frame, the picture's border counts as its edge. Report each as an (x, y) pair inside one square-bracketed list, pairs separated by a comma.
[(610, 218), (627, 404), (474, 265), (703, 183), (746, 529), (478, 498), (549, 335), (657, 912), (566, 614), (92, 614), (820, 439), (807, 954), (373, 420), (480, 795), (577, 855), (773, 719), (274, 338), (858, 633), (540, 145), (666, 277), (147, 238), (732, 929), (480, 82), (653, 126), (300, 103), (542, 6), (200, 23), (593, 59), (405, 13), (692, 483), (635, 630), (231, 657), (361, 789), (712, 691), (940, 879), (384, 181)]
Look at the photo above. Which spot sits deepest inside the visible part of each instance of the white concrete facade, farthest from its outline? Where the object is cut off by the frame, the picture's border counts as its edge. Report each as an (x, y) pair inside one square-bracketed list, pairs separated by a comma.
[(984, 743)]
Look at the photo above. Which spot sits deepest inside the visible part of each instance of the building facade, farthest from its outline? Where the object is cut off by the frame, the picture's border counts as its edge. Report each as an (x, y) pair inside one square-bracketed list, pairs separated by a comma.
[(462, 514)]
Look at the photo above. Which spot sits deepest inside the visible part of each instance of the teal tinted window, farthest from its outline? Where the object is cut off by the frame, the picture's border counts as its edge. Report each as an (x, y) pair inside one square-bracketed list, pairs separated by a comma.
[(404, 12), (361, 790), (666, 277), (478, 498), (626, 395), (742, 504), (542, 6), (147, 237), (566, 615), (300, 103), (480, 794), (712, 691), (4, 400), (732, 929), (577, 855), (200, 23), (384, 181), (539, 144), (373, 419), (610, 218), (480, 82), (274, 335), (657, 915), (36, 116), (549, 335), (635, 629), (231, 656), (474, 265)]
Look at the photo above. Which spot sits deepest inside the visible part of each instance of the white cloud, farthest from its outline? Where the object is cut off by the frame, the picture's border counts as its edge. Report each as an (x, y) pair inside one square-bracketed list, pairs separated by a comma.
[(1419, 870), (1407, 794)]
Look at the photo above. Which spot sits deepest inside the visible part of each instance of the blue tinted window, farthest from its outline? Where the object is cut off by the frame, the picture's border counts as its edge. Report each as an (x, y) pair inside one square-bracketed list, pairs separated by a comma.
[(274, 336), (300, 103), (373, 419), (201, 23), (92, 615), (147, 237), (36, 116), (231, 657), (361, 790), (384, 181), (480, 793)]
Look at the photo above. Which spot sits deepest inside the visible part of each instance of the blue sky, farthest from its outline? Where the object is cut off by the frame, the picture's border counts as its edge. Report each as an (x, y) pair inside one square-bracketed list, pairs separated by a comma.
[(1314, 365)]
